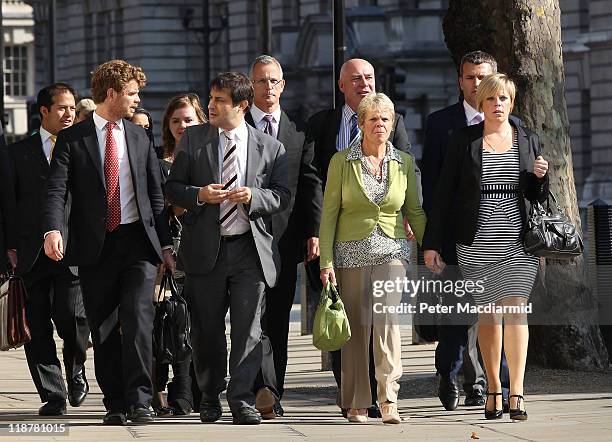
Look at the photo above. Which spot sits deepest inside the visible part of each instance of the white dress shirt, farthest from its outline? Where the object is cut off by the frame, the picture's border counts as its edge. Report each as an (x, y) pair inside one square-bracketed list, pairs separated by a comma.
[(261, 123), (129, 209), (241, 138), (471, 113), (45, 137)]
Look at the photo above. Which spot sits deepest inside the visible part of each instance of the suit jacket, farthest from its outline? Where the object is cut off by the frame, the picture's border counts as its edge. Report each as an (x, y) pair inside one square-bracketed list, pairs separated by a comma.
[(25, 185), (196, 165), (457, 195), (323, 128), (77, 168), (300, 220)]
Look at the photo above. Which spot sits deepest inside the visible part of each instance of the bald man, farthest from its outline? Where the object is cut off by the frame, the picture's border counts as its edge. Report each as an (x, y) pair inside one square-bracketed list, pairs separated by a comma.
[(330, 131)]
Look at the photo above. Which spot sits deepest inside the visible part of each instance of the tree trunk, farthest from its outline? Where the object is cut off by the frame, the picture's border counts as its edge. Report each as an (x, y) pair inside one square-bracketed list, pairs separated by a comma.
[(525, 38)]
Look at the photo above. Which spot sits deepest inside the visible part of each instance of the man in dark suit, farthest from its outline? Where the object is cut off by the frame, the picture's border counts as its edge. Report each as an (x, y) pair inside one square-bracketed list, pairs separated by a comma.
[(457, 344), (332, 130), (115, 235), (295, 228), (54, 293), (232, 178)]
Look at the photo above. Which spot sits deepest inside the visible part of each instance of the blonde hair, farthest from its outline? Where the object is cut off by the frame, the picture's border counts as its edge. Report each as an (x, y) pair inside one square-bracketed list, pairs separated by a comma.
[(375, 102), (493, 85)]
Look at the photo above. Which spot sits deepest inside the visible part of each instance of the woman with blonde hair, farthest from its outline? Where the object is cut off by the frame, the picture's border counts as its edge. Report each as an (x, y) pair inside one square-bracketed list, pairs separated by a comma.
[(371, 189), (492, 173)]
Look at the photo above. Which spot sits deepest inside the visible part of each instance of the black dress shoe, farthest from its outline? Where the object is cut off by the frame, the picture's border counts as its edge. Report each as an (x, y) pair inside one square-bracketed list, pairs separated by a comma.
[(114, 417), (495, 413), (210, 411), (475, 399), (140, 414), (374, 412), (181, 407), (448, 393), (78, 387), (278, 409), (516, 414), (246, 416), (53, 408)]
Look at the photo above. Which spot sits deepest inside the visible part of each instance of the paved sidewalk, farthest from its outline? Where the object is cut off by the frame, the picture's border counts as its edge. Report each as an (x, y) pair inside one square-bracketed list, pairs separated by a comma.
[(311, 413)]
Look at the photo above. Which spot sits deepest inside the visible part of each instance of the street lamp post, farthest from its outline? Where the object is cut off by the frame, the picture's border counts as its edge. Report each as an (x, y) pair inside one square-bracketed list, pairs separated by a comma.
[(339, 47)]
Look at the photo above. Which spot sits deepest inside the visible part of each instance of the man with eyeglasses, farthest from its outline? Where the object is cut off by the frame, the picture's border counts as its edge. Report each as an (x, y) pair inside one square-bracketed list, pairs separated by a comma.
[(295, 228), (331, 131)]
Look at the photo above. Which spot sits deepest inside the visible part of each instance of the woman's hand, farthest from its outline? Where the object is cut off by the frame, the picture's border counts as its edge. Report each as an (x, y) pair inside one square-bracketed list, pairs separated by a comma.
[(433, 261), (409, 233), (540, 167), (328, 275)]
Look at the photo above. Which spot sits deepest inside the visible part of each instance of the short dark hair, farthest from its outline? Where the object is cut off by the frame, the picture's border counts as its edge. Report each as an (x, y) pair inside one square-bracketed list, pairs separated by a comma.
[(239, 86), (149, 131), (477, 57), (46, 94)]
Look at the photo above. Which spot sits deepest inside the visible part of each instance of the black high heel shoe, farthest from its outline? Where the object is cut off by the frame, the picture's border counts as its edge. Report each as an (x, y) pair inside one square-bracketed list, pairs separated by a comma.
[(495, 413), (516, 414)]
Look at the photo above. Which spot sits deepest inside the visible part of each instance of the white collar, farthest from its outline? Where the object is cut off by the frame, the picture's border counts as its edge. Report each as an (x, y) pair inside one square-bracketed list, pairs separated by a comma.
[(470, 112), (101, 122), (239, 133), (44, 134), (259, 115)]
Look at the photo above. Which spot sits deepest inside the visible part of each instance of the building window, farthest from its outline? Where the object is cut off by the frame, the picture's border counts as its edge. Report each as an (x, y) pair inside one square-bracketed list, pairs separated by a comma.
[(15, 70)]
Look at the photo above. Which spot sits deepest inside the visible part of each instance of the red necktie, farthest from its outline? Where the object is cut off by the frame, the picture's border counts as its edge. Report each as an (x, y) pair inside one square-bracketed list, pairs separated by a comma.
[(111, 175)]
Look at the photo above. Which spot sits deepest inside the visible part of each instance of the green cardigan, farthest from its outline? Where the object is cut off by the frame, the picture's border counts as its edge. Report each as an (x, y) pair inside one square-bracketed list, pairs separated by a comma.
[(349, 215)]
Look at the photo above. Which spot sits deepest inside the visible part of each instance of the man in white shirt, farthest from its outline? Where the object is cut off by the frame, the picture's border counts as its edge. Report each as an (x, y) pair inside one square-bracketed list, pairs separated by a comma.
[(232, 178), (116, 235)]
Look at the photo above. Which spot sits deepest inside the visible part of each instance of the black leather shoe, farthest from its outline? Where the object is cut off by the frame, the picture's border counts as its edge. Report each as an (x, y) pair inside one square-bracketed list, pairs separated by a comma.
[(475, 399), (114, 417), (78, 387), (180, 407), (246, 416), (495, 413), (278, 409), (374, 412), (140, 414), (53, 408), (448, 393), (516, 414), (210, 411)]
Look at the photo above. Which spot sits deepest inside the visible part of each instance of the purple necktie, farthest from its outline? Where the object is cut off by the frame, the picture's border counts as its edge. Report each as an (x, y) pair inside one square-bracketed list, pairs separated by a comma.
[(269, 129)]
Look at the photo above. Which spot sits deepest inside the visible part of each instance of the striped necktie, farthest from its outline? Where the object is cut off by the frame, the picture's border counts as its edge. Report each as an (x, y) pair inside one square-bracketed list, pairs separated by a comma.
[(354, 127), (229, 177)]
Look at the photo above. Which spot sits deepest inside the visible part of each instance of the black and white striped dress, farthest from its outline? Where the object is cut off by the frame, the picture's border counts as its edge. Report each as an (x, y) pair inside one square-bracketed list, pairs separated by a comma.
[(496, 256)]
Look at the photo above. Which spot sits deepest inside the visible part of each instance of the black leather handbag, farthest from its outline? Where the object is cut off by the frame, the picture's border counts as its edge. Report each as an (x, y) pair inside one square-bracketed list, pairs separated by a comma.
[(550, 234), (172, 325)]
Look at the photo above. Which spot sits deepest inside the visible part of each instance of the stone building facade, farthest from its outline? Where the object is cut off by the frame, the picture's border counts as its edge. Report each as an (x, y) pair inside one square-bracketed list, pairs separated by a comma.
[(403, 39)]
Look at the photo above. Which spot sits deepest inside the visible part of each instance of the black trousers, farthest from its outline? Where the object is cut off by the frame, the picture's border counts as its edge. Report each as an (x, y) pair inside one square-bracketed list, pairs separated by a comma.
[(180, 387), (117, 292), (275, 323), (54, 297), (236, 282)]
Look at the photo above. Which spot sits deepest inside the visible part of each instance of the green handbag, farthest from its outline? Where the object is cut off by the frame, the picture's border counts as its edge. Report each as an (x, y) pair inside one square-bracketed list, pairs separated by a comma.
[(331, 329)]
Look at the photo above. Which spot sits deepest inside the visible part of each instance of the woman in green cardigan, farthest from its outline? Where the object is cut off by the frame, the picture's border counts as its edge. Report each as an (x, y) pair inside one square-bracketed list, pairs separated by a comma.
[(371, 190)]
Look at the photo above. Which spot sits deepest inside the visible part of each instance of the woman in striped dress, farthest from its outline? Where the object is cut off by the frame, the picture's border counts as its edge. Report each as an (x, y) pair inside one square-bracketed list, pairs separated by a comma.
[(491, 174)]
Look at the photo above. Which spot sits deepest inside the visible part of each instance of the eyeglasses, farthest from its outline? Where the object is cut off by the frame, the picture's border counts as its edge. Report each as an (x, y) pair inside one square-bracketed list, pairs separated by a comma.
[(265, 81)]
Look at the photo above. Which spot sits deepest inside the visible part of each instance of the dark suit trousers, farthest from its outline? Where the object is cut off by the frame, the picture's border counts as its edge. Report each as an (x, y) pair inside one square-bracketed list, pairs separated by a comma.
[(117, 292), (279, 301), (236, 282), (54, 295)]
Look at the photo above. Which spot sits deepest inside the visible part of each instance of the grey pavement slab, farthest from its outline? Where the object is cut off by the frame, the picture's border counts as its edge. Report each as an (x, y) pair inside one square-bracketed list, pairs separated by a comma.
[(583, 413)]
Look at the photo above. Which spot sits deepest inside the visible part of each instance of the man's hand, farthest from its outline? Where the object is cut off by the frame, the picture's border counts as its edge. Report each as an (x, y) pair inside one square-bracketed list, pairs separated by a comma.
[(312, 248), (328, 274), (12, 258), (54, 246), (212, 194), (240, 195), (409, 233), (168, 262), (433, 261)]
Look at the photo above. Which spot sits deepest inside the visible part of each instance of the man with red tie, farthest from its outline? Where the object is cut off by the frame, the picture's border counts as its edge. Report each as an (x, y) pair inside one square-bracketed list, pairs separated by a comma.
[(115, 235)]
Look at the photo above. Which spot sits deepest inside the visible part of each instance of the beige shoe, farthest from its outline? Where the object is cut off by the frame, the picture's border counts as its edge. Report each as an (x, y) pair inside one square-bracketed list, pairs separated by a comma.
[(389, 413), (264, 402), (358, 415)]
